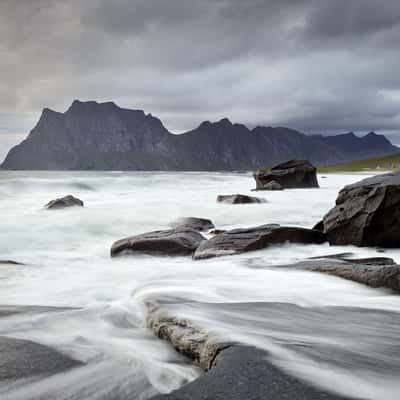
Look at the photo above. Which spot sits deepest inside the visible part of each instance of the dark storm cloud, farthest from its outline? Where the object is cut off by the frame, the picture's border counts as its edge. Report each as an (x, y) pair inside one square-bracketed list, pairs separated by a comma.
[(319, 66)]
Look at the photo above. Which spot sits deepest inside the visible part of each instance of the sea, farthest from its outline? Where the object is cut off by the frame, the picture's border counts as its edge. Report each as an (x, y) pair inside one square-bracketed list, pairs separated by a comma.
[(337, 334)]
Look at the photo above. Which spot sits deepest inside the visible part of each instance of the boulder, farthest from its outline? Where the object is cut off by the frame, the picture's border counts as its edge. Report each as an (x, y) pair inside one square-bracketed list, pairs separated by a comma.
[(242, 240), (198, 224), (239, 199), (367, 213), (64, 202), (178, 241), (291, 174)]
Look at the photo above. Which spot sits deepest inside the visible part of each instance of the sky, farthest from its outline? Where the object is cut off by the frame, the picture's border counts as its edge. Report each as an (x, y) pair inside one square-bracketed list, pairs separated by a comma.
[(327, 67)]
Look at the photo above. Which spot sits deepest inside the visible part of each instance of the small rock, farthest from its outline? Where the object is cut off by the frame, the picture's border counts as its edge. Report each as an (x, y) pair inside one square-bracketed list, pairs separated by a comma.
[(178, 241), (11, 262), (239, 199), (63, 202), (198, 224), (217, 231)]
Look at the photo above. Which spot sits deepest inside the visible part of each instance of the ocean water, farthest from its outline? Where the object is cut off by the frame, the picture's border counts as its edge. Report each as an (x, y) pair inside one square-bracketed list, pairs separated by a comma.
[(338, 334)]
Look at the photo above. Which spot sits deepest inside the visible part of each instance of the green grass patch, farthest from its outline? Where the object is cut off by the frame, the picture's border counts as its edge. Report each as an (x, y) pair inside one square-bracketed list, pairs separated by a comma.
[(385, 163)]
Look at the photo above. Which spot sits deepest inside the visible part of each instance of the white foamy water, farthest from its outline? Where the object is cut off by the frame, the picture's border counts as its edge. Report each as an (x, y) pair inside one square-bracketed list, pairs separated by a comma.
[(336, 333)]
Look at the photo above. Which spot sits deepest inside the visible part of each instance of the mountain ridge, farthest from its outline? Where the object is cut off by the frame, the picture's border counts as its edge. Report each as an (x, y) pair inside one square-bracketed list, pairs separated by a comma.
[(104, 136)]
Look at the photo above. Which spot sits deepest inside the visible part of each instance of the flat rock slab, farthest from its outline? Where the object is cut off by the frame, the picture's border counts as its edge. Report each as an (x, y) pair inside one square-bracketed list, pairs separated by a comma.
[(64, 202), (376, 272), (244, 373), (198, 224), (367, 213), (289, 175), (239, 199), (178, 241), (242, 240), (24, 358)]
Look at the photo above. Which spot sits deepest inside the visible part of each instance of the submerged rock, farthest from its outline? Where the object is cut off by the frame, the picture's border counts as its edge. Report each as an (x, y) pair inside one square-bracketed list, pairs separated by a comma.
[(63, 202), (186, 338), (243, 240), (234, 371), (379, 272), (217, 231), (239, 199), (367, 213), (11, 262), (198, 224), (178, 241), (291, 174)]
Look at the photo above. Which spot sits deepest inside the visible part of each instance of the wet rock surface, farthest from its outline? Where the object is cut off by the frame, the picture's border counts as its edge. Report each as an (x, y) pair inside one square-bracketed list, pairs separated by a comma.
[(244, 373), (291, 174), (64, 202), (236, 371), (377, 272), (242, 240), (367, 213), (178, 241), (24, 358), (186, 338), (198, 224), (239, 199), (272, 185)]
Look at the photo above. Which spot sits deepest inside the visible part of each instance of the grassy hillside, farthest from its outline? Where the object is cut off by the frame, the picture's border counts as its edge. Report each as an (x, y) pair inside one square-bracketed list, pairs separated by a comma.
[(391, 162)]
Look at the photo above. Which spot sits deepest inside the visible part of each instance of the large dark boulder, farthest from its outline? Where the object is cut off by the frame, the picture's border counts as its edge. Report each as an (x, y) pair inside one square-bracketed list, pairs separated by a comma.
[(64, 202), (239, 199), (178, 241), (198, 224), (367, 213), (291, 174), (243, 240)]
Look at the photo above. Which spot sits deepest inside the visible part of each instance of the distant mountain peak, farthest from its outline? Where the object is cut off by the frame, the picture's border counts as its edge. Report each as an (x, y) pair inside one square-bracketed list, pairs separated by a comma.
[(224, 122), (93, 135)]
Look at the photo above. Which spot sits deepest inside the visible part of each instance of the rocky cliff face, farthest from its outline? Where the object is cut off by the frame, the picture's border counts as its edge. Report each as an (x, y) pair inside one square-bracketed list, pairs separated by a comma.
[(91, 135)]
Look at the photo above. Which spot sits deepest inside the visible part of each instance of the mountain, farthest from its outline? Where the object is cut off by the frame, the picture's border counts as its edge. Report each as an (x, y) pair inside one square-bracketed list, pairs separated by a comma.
[(91, 135)]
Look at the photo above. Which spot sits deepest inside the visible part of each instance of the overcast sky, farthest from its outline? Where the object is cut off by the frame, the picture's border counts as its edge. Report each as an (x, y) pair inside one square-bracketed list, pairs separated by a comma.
[(321, 66)]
